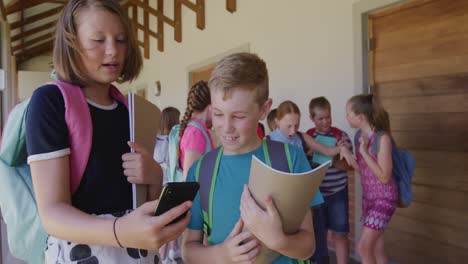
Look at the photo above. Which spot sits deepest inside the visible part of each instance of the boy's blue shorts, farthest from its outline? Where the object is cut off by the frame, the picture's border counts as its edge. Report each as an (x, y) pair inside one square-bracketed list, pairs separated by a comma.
[(335, 212)]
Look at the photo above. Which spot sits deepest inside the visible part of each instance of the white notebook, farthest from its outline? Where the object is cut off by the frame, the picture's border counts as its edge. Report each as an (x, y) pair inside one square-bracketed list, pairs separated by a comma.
[(144, 119)]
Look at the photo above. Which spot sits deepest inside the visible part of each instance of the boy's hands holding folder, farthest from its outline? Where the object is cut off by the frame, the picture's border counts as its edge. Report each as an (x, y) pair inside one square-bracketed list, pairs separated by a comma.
[(265, 224), (240, 246)]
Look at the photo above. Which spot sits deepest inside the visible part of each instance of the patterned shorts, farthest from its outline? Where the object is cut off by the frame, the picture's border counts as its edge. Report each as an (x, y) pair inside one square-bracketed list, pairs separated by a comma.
[(64, 252), (377, 214)]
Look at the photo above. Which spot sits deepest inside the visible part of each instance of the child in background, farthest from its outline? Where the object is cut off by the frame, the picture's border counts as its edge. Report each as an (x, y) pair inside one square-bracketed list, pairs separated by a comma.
[(379, 191), (94, 47), (288, 117), (271, 120), (334, 187), (239, 93), (170, 116), (195, 140), (193, 143)]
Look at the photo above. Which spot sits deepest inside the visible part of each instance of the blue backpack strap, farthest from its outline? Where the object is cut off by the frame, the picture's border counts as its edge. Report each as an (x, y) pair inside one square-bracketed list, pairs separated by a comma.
[(375, 143), (281, 160), (356, 137)]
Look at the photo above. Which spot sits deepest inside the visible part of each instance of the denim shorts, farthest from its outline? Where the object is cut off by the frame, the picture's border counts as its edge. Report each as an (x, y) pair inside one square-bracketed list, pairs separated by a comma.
[(335, 212)]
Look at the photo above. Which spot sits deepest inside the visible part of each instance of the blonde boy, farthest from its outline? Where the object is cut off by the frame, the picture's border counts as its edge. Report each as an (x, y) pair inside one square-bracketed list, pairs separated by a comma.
[(239, 97)]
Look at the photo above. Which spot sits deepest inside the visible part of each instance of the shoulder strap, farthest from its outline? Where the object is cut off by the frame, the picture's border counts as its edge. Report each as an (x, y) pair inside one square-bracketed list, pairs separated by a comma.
[(80, 127), (376, 143), (206, 173), (281, 160), (209, 141), (356, 137), (80, 130)]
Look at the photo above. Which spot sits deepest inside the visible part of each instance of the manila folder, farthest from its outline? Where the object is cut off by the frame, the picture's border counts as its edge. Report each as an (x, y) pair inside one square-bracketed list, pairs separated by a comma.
[(292, 194)]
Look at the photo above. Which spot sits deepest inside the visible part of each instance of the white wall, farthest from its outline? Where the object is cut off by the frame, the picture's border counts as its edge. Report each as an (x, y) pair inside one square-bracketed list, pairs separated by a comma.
[(28, 81), (308, 47)]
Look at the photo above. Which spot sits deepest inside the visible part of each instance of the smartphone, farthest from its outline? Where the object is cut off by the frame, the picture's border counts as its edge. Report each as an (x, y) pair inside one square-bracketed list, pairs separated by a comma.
[(174, 194)]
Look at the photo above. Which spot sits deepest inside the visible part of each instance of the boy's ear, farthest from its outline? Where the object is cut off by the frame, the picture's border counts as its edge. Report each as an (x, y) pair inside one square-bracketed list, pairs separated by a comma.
[(265, 109)]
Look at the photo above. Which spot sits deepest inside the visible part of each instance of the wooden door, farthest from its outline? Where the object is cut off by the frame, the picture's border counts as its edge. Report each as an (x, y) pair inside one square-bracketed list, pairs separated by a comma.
[(419, 70), (201, 74)]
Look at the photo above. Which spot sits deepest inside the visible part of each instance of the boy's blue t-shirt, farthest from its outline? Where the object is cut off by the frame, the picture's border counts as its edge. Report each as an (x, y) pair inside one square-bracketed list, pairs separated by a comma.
[(233, 173)]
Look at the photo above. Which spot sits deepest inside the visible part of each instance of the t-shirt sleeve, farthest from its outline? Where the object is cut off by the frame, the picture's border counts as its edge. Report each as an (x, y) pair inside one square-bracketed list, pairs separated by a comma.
[(46, 129), (300, 164), (193, 140), (196, 218)]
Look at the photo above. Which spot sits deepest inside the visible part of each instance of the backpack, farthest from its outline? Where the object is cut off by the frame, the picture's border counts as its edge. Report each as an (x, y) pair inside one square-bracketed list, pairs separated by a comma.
[(404, 165), (26, 235), (207, 171), (174, 172)]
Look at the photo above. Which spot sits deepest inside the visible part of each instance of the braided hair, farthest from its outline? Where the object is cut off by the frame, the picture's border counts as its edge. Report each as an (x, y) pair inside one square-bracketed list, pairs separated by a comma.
[(197, 100)]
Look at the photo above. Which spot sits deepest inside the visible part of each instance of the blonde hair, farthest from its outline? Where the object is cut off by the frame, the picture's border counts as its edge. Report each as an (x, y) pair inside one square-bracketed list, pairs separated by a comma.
[(371, 108), (197, 100), (318, 102), (65, 57), (241, 71), (287, 107)]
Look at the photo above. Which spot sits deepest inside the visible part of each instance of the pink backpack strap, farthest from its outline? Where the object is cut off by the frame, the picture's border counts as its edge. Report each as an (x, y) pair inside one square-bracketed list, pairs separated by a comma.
[(80, 127), (80, 130), (117, 95)]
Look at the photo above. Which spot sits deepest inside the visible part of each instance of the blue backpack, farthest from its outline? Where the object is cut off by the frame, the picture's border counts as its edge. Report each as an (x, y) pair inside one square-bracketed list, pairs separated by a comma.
[(404, 165), (174, 172)]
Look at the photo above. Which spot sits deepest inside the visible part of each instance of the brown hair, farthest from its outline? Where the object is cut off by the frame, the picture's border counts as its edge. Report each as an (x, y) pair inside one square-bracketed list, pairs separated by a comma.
[(241, 70), (170, 116), (197, 100), (318, 102), (66, 59), (371, 108), (287, 107), (271, 116)]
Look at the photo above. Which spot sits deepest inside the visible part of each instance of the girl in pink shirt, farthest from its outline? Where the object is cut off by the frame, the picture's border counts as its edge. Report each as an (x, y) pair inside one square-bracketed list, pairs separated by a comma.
[(195, 140), (195, 137)]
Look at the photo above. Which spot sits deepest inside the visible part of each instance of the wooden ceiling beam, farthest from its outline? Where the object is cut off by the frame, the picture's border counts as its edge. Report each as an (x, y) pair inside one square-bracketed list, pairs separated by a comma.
[(35, 51), (22, 5), (33, 31), (35, 18), (32, 42)]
